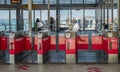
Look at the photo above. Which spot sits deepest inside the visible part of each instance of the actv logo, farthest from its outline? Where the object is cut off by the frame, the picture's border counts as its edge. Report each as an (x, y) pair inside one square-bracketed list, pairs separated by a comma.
[(94, 69), (19, 39)]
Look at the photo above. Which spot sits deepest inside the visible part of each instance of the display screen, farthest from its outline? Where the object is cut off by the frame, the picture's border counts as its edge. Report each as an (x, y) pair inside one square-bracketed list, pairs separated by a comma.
[(15, 1), (40, 35), (68, 35), (111, 27)]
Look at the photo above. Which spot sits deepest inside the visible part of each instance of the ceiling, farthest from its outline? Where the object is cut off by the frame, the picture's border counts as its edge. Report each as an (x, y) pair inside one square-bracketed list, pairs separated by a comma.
[(63, 4), (54, 1)]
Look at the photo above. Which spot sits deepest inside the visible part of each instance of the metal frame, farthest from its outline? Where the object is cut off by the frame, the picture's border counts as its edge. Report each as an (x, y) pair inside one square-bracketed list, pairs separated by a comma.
[(57, 25), (119, 26), (112, 9), (96, 16), (84, 16), (107, 12), (40, 14), (49, 6), (9, 20), (101, 15), (53, 6), (30, 17), (104, 13)]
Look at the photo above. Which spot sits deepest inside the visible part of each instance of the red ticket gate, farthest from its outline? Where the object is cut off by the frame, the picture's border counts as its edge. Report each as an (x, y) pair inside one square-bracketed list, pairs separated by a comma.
[(41, 45), (55, 56), (99, 43), (61, 43), (70, 50), (82, 43), (100, 50), (4, 53), (23, 49), (90, 49), (19, 45), (4, 43), (110, 46), (70, 42)]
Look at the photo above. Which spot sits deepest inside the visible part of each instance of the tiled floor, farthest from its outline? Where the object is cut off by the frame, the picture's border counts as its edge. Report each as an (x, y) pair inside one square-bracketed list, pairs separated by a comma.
[(61, 68)]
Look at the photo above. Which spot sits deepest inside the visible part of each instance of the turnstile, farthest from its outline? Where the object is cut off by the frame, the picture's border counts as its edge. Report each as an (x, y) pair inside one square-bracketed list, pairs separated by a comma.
[(57, 56), (4, 49), (21, 48), (70, 42), (41, 46), (90, 49)]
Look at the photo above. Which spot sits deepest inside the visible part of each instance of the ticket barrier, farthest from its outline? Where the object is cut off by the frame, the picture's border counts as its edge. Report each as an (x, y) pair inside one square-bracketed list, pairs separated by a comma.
[(57, 55), (112, 35), (70, 46), (21, 48), (4, 50), (112, 46), (99, 43), (41, 46), (90, 49), (11, 47)]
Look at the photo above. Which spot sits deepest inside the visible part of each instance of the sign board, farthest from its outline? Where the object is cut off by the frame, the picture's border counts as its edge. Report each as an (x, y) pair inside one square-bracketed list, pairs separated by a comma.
[(15, 1)]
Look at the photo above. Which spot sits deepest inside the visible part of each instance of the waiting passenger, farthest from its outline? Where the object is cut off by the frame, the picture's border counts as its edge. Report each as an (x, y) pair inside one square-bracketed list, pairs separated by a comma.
[(38, 25), (79, 22), (52, 21), (105, 26)]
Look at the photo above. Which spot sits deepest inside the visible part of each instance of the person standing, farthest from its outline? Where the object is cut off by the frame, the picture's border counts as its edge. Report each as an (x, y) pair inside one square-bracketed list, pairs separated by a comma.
[(38, 25), (52, 21)]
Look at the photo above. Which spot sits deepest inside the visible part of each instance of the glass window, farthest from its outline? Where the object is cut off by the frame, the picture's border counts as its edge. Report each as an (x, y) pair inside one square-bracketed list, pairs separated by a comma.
[(24, 1), (25, 17), (8, 2), (64, 19), (44, 15), (2, 2), (4, 20), (78, 15), (13, 20), (115, 12), (64, 1), (37, 1), (37, 14), (51, 1), (77, 1), (90, 1), (90, 19)]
